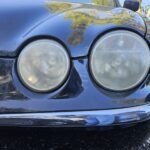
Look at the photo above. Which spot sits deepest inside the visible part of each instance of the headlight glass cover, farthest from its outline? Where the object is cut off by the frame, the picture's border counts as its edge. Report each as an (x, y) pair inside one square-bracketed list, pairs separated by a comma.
[(43, 65), (120, 60)]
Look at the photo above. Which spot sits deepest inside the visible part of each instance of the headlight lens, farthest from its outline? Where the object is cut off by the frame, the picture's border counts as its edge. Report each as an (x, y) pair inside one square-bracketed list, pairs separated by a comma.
[(43, 65), (120, 60)]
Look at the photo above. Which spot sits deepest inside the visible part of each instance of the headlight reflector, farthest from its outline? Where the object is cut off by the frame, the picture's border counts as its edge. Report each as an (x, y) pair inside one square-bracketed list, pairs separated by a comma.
[(120, 60), (43, 65)]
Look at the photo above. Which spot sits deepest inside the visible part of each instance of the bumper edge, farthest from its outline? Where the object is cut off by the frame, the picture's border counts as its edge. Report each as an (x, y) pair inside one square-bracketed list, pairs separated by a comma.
[(98, 118)]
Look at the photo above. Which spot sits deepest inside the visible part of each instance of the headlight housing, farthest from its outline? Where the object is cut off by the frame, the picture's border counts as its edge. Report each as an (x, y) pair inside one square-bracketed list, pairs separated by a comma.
[(43, 65), (120, 60)]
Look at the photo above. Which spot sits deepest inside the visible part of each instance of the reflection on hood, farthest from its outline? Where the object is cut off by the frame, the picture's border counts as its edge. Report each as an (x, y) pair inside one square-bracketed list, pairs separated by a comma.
[(82, 16), (111, 3)]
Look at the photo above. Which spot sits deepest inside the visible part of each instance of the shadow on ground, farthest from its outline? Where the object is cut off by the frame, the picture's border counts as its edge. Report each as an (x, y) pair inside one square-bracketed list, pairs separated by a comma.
[(134, 138)]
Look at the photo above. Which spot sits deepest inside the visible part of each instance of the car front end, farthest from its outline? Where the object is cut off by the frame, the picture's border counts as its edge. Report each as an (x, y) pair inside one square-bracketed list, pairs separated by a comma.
[(73, 65)]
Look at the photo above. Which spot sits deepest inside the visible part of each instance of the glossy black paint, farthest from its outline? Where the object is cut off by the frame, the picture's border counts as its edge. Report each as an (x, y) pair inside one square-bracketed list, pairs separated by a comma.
[(78, 93), (76, 26), (147, 21)]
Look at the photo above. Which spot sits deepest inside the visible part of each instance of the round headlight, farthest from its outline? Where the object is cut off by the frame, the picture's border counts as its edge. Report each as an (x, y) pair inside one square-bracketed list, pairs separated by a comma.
[(120, 60), (43, 65)]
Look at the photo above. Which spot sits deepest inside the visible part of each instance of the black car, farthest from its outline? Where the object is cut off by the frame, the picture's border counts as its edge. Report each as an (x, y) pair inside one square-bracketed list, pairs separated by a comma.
[(73, 63)]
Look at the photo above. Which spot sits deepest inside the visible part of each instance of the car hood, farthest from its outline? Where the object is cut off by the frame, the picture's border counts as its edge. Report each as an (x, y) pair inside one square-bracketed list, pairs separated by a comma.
[(75, 25)]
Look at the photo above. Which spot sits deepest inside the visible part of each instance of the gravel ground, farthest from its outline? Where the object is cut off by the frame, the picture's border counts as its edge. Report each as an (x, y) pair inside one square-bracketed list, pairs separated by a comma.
[(132, 138)]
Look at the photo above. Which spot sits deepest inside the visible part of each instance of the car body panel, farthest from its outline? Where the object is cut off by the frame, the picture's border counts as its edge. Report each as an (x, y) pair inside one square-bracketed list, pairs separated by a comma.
[(148, 31), (144, 11), (79, 93), (147, 22), (84, 23)]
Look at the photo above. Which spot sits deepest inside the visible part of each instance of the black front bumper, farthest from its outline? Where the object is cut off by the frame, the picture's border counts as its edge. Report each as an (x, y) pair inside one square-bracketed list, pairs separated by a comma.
[(102, 118)]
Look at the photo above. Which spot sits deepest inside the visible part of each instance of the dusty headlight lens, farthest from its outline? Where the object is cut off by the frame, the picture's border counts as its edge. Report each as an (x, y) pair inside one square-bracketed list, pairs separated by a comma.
[(120, 60), (43, 65)]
